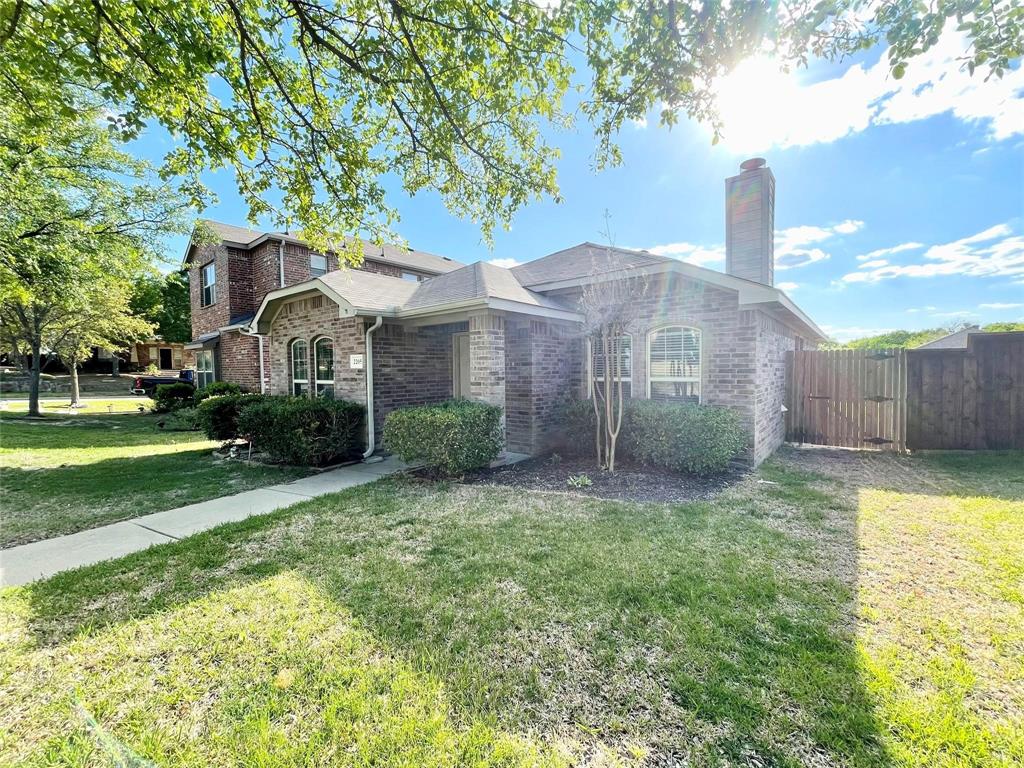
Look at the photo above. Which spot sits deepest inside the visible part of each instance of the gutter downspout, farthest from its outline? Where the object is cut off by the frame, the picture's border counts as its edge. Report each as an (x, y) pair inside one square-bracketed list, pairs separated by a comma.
[(280, 260), (259, 339), (371, 436)]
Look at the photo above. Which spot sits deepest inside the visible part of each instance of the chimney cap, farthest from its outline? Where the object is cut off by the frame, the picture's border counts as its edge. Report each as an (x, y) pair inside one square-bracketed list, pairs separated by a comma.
[(753, 164)]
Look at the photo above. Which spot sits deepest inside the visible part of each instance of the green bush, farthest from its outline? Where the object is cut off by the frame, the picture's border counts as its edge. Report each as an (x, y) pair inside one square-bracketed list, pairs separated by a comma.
[(449, 438), (697, 439), (301, 430), (217, 388), (577, 420), (171, 397), (218, 415), (183, 420)]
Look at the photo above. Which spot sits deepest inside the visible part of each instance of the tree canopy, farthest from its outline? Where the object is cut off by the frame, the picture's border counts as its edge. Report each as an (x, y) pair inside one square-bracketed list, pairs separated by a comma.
[(164, 301), (912, 339), (323, 100)]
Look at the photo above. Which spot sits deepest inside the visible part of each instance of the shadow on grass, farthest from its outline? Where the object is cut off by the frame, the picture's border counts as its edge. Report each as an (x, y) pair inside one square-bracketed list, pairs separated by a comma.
[(699, 632), (87, 431)]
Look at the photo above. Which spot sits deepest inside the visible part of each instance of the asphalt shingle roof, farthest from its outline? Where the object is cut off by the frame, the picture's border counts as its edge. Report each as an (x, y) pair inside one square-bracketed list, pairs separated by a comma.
[(580, 261), (477, 281), (393, 254), (368, 290)]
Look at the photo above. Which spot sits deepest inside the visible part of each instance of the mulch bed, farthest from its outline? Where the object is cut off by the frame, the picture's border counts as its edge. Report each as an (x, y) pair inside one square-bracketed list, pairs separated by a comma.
[(629, 482)]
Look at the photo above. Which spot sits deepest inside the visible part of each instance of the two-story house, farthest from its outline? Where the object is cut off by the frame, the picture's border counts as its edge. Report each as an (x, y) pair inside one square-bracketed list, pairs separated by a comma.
[(228, 281)]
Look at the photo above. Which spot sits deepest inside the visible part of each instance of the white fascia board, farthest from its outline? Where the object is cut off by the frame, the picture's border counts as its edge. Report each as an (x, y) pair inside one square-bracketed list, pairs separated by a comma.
[(498, 305)]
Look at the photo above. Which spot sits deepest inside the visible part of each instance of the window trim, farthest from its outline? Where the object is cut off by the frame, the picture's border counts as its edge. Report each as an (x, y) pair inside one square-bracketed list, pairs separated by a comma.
[(317, 381), (698, 379), (315, 272), (591, 378), (204, 286), (291, 366)]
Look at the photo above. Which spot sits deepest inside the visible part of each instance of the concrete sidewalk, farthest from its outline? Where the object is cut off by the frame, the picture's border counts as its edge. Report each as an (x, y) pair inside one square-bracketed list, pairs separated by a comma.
[(41, 559)]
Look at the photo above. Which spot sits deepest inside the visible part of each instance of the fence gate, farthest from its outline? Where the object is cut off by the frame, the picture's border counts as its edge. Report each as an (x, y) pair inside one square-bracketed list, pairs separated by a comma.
[(854, 398)]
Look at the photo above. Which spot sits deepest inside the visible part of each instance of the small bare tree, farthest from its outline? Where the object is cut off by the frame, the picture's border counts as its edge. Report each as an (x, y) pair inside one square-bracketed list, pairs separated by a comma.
[(609, 307)]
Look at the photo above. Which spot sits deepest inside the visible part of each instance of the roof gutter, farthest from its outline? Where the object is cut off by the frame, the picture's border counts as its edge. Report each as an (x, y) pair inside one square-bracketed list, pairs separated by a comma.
[(371, 437)]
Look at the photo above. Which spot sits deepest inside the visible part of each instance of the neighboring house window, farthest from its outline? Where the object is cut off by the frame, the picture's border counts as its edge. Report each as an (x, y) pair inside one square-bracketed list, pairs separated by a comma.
[(208, 282), (323, 352), (300, 367), (412, 276), (674, 363), (623, 344), (204, 368), (317, 265)]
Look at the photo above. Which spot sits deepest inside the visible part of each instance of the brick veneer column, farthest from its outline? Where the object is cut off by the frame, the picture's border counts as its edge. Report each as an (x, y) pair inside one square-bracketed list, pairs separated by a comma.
[(487, 359)]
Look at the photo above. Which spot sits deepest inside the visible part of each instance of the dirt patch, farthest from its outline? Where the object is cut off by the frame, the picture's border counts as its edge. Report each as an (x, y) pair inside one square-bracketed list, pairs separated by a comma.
[(629, 482)]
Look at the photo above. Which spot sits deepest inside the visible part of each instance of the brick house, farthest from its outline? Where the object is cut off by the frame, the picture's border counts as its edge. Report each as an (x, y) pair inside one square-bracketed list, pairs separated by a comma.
[(411, 328)]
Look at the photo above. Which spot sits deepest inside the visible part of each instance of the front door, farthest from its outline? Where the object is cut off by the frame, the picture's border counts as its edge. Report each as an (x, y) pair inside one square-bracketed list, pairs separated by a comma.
[(460, 365), (165, 359)]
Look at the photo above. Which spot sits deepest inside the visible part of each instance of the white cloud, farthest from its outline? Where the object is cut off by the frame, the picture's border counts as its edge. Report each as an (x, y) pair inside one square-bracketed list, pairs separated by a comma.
[(921, 309), (849, 332), (1000, 305), (874, 263), (762, 107), (787, 286), (994, 252), (791, 249), (506, 263), (956, 313), (791, 246), (700, 255), (889, 251)]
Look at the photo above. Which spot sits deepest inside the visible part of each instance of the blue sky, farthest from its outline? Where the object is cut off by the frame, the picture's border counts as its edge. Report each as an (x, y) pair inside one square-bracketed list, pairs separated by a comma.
[(900, 204)]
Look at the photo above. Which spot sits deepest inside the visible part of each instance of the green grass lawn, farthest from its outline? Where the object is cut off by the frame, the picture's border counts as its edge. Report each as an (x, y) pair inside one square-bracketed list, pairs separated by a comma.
[(65, 473), (836, 609)]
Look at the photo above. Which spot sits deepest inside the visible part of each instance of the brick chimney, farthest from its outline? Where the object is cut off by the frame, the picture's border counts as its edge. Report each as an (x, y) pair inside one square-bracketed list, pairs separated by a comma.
[(750, 222)]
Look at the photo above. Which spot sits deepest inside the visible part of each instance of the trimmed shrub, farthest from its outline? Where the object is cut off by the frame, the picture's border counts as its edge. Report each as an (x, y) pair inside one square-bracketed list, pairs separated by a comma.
[(578, 422), (301, 430), (450, 438), (183, 420), (171, 397), (217, 388), (697, 439), (218, 415)]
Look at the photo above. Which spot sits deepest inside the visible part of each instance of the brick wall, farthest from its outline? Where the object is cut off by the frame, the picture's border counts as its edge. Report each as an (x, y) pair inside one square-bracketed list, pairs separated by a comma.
[(206, 319), (309, 319), (773, 341), (543, 361), (411, 366), (237, 360)]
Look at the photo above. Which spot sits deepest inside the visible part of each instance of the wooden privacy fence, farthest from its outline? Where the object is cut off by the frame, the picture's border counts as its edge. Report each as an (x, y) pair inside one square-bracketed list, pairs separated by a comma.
[(967, 399), (962, 399), (854, 398)]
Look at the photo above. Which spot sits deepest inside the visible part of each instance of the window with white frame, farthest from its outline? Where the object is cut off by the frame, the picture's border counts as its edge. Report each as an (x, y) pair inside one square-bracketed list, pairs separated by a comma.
[(674, 363), (412, 276), (317, 265), (300, 367), (323, 354), (208, 284), (621, 349), (204, 368)]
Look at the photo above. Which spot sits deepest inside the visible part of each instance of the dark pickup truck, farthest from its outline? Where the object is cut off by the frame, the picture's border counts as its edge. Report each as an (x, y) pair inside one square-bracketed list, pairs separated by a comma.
[(146, 385)]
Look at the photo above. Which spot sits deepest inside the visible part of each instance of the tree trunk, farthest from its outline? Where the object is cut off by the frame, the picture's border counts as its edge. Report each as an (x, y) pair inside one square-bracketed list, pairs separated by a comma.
[(33, 380), (73, 365), (115, 366)]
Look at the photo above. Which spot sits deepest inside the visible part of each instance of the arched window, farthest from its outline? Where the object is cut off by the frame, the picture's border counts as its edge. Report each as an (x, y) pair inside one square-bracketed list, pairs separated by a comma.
[(300, 367), (323, 353), (621, 352), (674, 363)]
